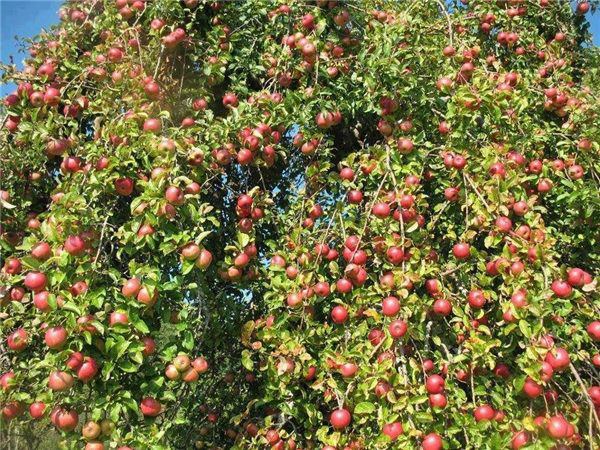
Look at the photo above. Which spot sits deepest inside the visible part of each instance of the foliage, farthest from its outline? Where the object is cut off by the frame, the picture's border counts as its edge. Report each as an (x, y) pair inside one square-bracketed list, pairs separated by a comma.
[(260, 224)]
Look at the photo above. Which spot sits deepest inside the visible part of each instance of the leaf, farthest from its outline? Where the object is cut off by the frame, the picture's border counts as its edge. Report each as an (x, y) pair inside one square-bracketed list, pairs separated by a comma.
[(525, 328), (364, 408), (247, 360)]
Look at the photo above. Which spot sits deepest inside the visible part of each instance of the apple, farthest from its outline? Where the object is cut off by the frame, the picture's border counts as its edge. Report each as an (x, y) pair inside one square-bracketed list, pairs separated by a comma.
[(390, 306), (593, 330), (558, 358), (131, 287), (7, 381), (532, 389), (476, 299), (348, 370), (395, 255), (432, 441), (484, 412), (55, 337), (438, 401), (150, 407), (66, 420), (561, 288), (393, 430), (576, 277), (124, 186), (60, 381), (339, 314), (37, 410), (91, 430), (594, 393), (190, 251), (520, 439), (557, 427), (88, 369), (461, 250), (118, 317), (152, 125), (190, 375), (75, 360), (146, 298), (340, 418), (11, 410), (355, 197), (381, 210), (230, 100), (442, 307), (35, 281), (18, 340), (74, 245), (397, 328), (174, 195), (12, 266), (182, 362), (172, 373), (200, 364), (435, 384), (149, 346)]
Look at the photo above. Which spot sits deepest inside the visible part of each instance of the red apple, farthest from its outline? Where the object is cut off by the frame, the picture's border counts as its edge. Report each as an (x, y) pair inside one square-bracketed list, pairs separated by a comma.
[(340, 418)]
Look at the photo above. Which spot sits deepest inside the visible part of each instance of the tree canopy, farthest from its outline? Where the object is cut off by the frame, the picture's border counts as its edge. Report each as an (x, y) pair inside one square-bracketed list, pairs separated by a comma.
[(303, 225)]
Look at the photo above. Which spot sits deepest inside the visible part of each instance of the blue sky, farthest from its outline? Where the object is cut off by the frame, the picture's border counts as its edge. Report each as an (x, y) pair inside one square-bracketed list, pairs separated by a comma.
[(25, 18)]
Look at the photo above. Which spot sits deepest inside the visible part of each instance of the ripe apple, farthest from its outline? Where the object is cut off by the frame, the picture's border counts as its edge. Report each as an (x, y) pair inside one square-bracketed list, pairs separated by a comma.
[(557, 427), (75, 360), (35, 281), (593, 330), (435, 384), (340, 418), (74, 245), (348, 370), (532, 389), (461, 250), (150, 407), (88, 369), (37, 409), (124, 186), (149, 346), (484, 412), (438, 401), (60, 381), (66, 420), (432, 442), (339, 314), (17, 340), (118, 317), (558, 358), (397, 328), (55, 337), (393, 430), (390, 306), (200, 364), (561, 288), (131, 287), (91, 430)]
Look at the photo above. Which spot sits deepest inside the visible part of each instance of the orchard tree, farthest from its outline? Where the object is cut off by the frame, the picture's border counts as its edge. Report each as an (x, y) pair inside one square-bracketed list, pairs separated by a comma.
[(303, 225)]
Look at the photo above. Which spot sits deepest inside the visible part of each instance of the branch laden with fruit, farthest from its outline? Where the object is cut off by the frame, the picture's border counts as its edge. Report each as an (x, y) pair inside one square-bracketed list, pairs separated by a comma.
[(303, 225)]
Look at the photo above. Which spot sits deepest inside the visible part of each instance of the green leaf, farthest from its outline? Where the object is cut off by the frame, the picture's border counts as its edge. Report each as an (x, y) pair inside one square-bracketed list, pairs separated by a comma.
[(364, 408)]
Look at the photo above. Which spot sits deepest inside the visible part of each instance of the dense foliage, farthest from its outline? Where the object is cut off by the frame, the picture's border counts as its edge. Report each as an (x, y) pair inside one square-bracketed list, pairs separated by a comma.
[(332, 225)]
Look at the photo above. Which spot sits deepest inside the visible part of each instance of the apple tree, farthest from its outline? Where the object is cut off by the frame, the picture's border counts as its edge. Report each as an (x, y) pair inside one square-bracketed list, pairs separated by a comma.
[(303, 225)]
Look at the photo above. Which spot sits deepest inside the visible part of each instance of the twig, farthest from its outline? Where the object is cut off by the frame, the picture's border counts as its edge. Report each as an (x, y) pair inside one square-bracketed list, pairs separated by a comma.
[(476, 191), (586, 395), (443, 9), (101, 239)]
